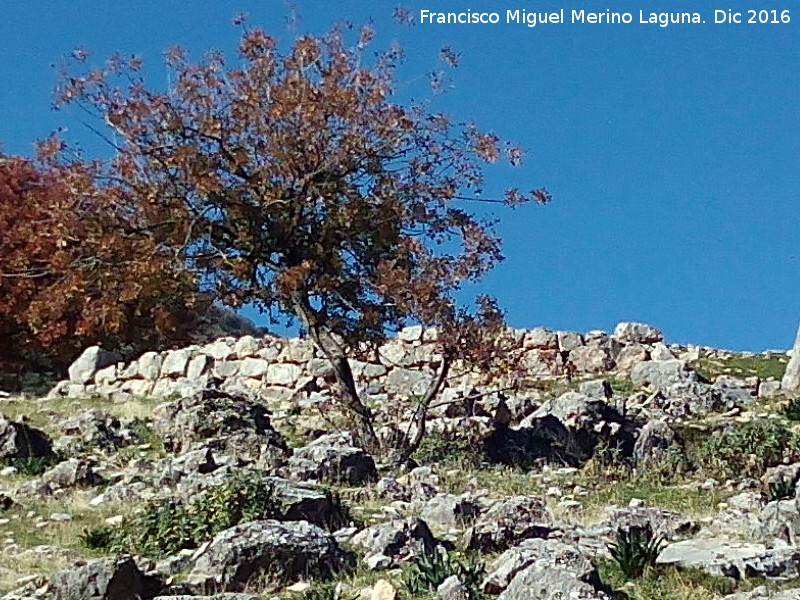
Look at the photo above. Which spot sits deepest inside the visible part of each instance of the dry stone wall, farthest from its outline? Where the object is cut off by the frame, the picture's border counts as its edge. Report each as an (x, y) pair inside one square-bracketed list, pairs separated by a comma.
[(279, 368)]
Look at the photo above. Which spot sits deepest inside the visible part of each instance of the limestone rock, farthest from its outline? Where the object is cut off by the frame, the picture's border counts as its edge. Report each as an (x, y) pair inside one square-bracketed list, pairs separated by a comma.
[(791, 378), (332, 459), (399, 541), (509, 522), (20, 440), (175, 363), (737, 559), (637, 332), (292, 550), (660, 374), (92, 359), (108, 578)]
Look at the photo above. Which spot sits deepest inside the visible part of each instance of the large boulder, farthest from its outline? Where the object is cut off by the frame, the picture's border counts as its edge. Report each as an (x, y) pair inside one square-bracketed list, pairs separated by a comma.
[(660, 374), (234, 423), (722, 556), (332, 459), (395, 542), (89, 362), (20, 440), (115, 578), (543, 570), (284, 551), (641, 333), (791, 378), (509, 522)]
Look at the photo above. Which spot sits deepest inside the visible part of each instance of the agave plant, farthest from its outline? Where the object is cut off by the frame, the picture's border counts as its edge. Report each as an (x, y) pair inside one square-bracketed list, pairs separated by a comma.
[(781, 489), (635, 549)]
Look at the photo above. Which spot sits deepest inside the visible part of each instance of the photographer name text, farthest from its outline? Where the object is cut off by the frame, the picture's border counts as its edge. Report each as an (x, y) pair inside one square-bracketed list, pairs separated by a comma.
[(607, 17)]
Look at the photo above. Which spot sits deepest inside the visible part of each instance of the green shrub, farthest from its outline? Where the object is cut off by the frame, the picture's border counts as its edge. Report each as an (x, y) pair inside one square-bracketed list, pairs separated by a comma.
[(322, 591), (438, 448), (33, 465), (635, 549), (792, 410), (98, 538), (747, 449), (431, 569), (165, 527), (782, 489)]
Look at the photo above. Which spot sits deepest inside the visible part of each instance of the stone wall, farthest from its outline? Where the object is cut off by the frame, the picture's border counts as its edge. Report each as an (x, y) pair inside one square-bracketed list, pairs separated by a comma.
[(278, 368)]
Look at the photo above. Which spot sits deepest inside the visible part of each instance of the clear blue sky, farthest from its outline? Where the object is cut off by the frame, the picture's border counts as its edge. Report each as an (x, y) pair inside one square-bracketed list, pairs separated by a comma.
[(673, 154)]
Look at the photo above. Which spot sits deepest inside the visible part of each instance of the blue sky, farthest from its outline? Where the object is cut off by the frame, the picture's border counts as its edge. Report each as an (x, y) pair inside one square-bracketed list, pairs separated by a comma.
[(673, 154)]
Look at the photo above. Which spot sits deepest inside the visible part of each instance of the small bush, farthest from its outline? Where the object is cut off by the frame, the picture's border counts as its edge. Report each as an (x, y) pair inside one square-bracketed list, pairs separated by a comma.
[(782, 489), (33, 465), (635, 549), (98, 538), (747, 449), (442, 449), (792, 410), (165, 527), (430, 571)]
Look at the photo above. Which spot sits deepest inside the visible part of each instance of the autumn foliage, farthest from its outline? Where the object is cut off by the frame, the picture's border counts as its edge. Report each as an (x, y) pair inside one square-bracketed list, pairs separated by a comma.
[(73, 272)]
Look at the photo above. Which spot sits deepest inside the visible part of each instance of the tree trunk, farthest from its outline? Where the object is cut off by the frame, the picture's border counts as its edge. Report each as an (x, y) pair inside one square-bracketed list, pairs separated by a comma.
[(333, 351)]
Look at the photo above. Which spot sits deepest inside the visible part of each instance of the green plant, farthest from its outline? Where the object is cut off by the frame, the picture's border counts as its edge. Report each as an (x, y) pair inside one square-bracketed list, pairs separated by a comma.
[(33, 465), (431, 569), (781, 489), (440, 448), (322, 591), (635, 549), (98, 538), (792, 410), (746, 449), (164, 527)]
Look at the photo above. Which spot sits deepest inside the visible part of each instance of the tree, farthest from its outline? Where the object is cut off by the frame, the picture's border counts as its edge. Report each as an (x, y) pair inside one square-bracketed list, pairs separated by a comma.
[(73, 271), (292, 181)]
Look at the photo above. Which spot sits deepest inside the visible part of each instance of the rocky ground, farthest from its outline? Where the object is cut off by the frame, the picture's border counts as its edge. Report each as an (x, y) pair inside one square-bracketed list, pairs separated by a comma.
[(546, 490)]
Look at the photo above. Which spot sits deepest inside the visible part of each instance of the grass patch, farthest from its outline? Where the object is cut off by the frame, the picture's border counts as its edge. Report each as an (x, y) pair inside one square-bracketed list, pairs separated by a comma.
[(673, 583), (762, 366)]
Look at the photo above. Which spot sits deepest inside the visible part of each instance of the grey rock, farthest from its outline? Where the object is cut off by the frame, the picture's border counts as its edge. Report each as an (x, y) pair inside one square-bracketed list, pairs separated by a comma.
[(596, 356), (508, 522), (116, 578), (543, 570), (283, 374), (291, 550), (175, 363), (333, 459), (791, 377), (780, 520), (253, 367), (631, 355), (452, 589), (72, 473), (661, 374), (20, 440), (94, 428), (199, 365), (568, 340), (737, 559), (540, 339), (214, 414), (637, 332), (762, 592), (89, 362), (401, 540), (149, 365), (246, 345), (447, 511), (596, 388), (656, 444)]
